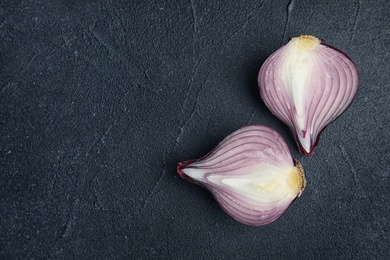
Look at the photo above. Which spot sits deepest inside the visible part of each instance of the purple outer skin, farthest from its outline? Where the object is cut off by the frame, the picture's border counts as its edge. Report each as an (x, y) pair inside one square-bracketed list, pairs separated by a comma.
[(184, 164), (312, 146)]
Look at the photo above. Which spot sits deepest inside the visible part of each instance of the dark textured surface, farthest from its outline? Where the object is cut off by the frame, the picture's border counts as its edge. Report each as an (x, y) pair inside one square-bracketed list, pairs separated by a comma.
[(100, 100)]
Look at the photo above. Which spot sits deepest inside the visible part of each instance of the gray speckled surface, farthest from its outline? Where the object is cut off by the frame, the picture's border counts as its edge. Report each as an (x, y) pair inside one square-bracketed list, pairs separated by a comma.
[(100, 100)]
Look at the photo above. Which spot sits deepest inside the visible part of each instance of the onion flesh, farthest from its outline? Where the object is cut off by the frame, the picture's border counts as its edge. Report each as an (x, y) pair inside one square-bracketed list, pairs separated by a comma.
[(250, 173)]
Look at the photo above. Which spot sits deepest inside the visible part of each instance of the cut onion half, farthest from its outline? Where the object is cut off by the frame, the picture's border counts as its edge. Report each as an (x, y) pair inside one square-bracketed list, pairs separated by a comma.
[(250, 173)]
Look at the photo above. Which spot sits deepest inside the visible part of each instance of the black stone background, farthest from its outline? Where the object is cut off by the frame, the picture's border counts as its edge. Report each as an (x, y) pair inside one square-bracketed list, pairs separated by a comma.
[(101, 99)]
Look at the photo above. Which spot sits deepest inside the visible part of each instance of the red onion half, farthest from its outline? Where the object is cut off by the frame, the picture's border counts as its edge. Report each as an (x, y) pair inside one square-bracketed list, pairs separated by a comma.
[(250, 173), (307, 85)]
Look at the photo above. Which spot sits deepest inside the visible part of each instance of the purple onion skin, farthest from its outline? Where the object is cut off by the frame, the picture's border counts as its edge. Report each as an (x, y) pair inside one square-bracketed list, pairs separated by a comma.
[(308, 100), (251, 174)]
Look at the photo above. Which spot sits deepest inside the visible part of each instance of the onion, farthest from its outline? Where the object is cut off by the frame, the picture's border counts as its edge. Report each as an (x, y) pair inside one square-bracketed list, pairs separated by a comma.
[(250, 173), (307, 85)]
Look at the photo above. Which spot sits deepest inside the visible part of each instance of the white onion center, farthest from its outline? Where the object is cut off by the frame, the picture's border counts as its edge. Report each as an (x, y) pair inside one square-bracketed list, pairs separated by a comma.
[(262, 183)]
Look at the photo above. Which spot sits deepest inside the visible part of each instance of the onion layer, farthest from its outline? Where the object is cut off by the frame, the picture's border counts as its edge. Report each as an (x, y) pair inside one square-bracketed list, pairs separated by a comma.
[(307, 85), (250, 173)]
